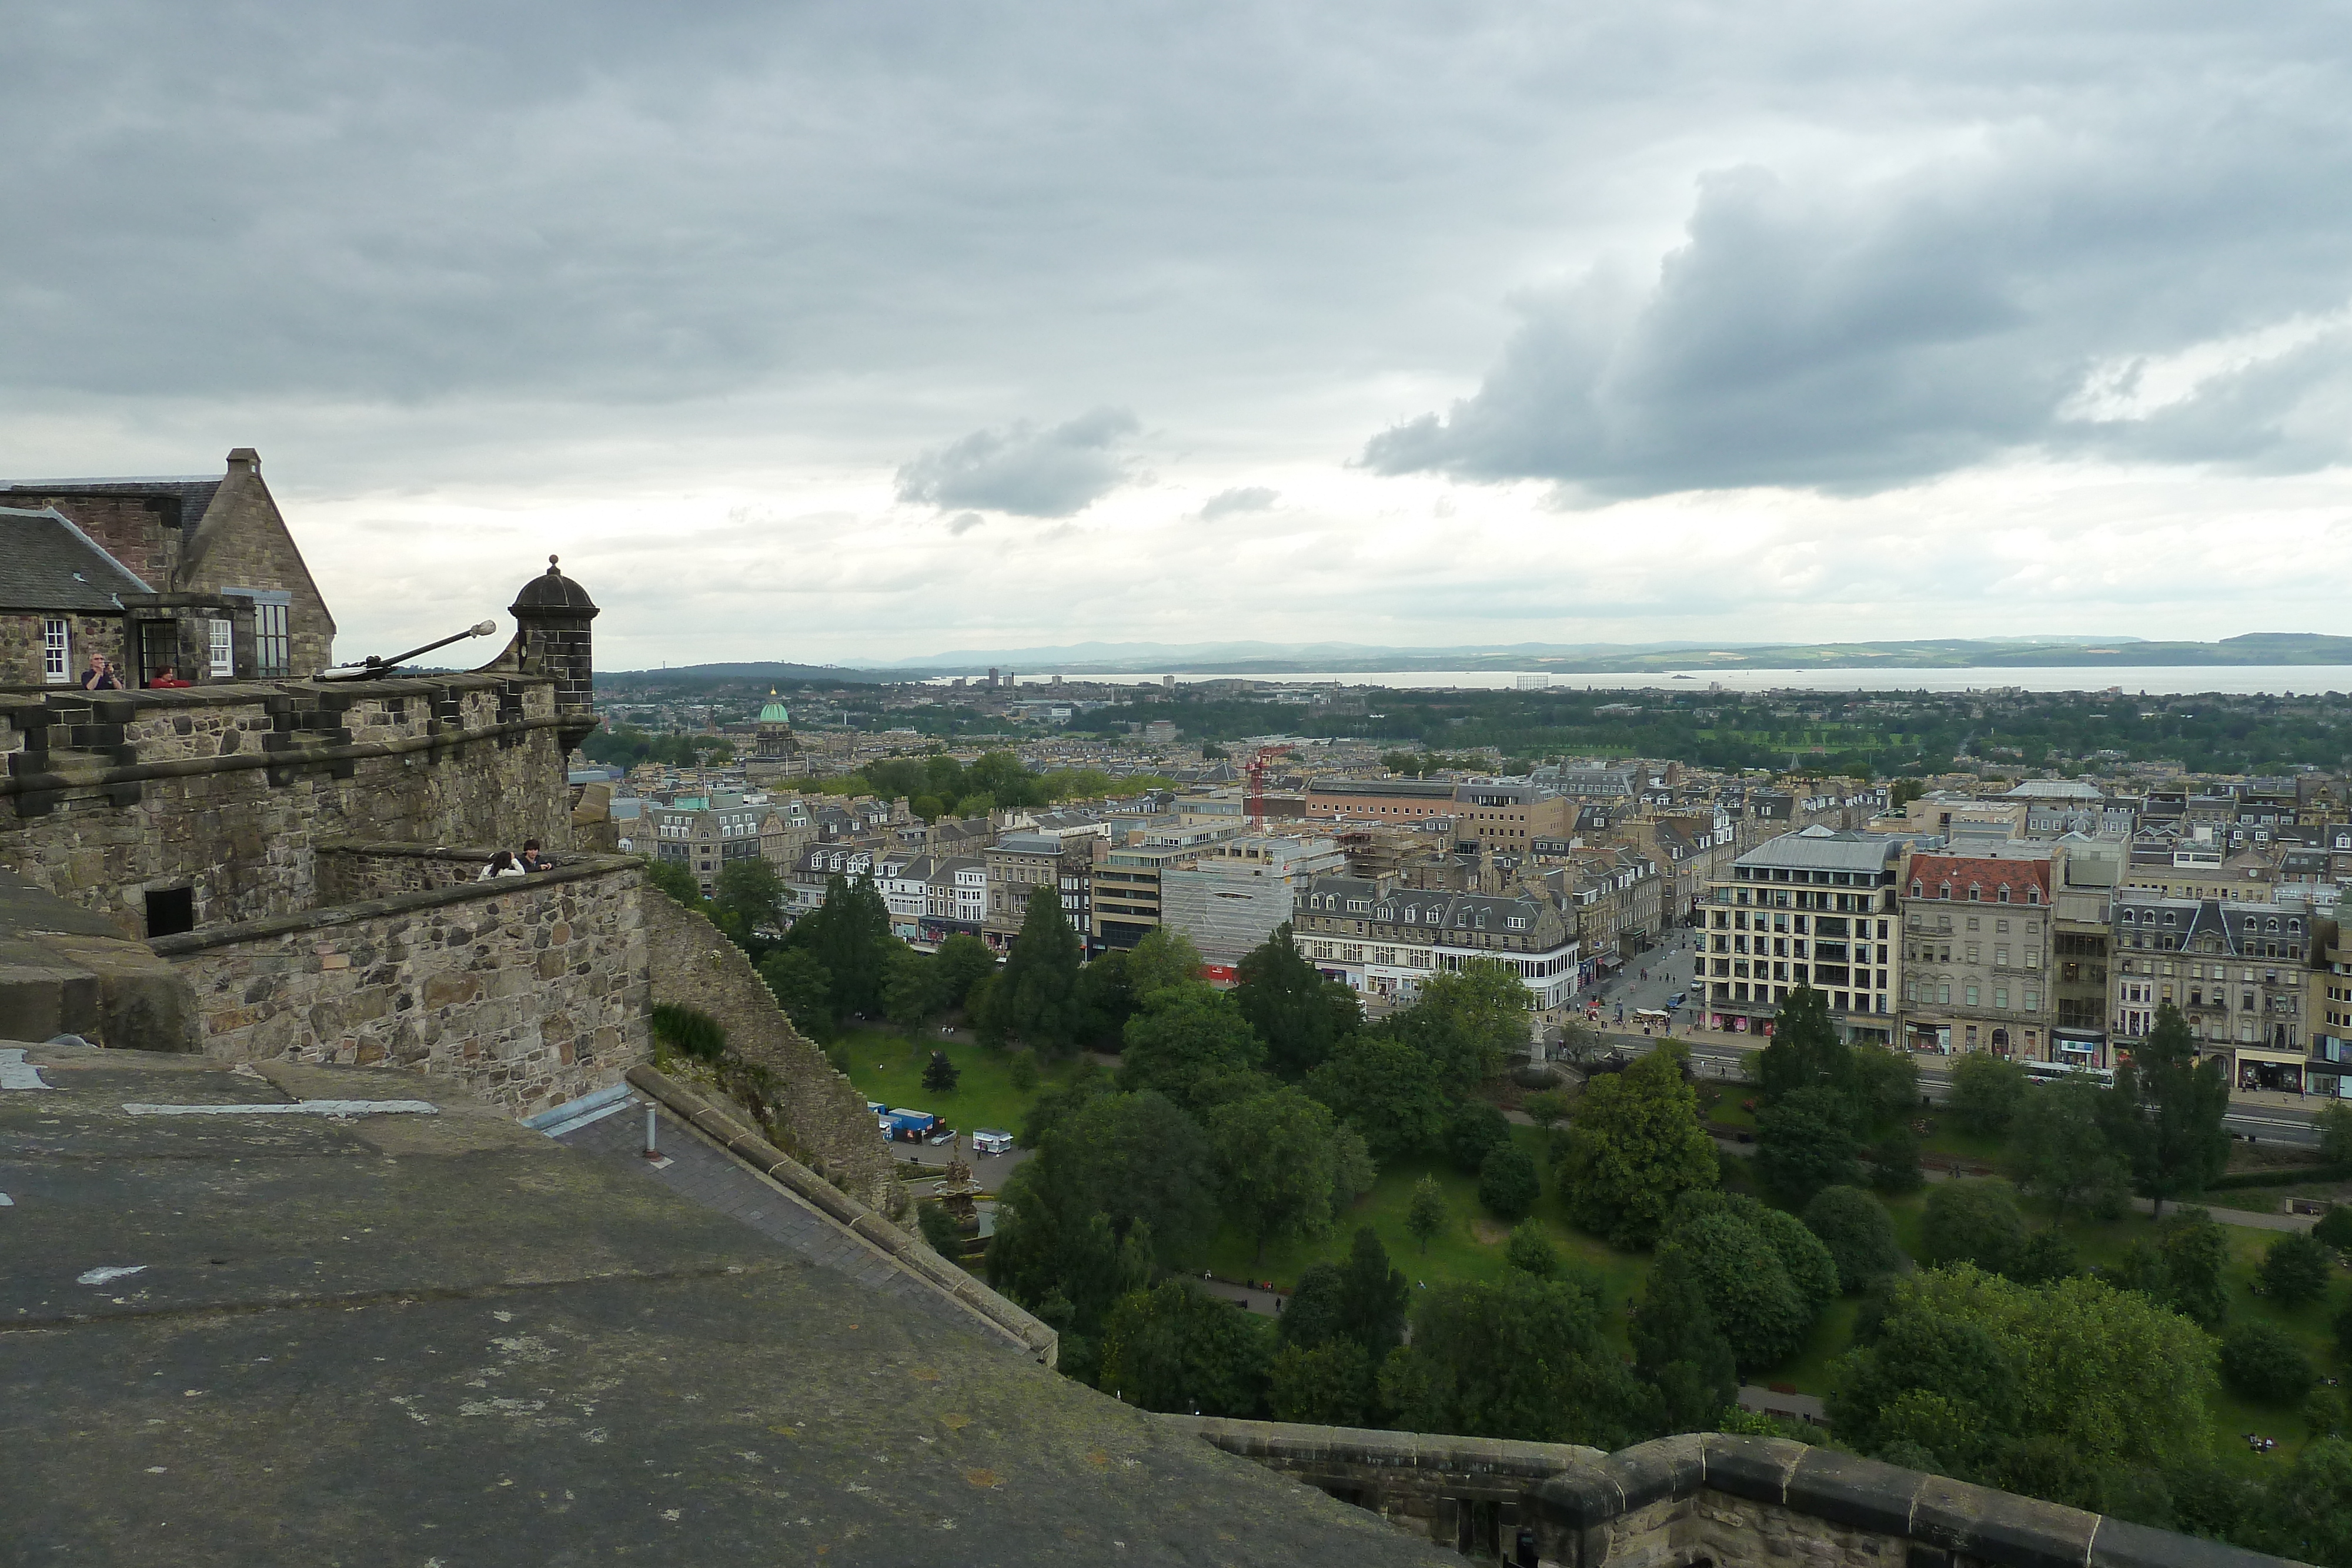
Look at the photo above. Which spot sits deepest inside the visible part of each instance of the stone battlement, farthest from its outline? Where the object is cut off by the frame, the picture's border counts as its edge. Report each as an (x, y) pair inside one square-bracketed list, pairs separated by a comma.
[(167, 810), (1712, 1499)]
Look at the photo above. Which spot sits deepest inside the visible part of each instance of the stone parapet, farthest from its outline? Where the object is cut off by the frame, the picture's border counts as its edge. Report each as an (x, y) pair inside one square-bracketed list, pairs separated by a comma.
[(530, 991), (1703, 1499), (225, 790)]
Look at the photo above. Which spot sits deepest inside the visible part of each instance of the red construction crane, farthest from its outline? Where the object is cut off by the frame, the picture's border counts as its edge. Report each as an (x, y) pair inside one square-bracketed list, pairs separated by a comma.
[(1255, 770)]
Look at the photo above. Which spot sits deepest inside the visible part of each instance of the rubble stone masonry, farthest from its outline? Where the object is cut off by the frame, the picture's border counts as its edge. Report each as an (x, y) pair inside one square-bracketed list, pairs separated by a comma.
[(228, 790), (530, 991)]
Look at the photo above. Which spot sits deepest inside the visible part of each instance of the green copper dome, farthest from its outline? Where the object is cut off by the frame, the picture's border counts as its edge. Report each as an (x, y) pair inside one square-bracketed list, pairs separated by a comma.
[(773, 713)]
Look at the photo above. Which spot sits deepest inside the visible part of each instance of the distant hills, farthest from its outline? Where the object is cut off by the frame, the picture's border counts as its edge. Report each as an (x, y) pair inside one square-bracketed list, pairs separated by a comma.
[(1581, 658), (1614, 658)]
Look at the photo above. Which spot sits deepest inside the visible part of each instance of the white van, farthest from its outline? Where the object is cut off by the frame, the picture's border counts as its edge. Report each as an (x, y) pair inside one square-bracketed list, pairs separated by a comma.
[(988, 1141)]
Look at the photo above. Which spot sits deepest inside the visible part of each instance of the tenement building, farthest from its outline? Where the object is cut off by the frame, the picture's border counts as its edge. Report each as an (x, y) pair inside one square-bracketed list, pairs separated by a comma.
[(1384, 940), (1977, 932), (2238, 971), (1815, 908)]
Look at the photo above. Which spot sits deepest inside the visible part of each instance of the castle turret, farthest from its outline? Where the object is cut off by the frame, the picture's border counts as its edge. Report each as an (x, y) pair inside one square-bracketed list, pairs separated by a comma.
[(552, 616)]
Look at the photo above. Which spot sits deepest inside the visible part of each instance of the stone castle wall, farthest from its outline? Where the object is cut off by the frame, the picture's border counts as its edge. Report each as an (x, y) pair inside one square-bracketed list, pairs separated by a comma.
[(228, 790), (530, 990), (822, 1118), (1700, 1501)]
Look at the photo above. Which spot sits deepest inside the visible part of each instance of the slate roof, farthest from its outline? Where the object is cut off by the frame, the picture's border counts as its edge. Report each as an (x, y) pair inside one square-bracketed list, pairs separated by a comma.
[(194, 494), (46, 563)]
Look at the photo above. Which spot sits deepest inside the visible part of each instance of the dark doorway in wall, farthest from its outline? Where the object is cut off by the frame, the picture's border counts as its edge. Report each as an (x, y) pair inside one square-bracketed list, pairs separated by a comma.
[(170, 910)]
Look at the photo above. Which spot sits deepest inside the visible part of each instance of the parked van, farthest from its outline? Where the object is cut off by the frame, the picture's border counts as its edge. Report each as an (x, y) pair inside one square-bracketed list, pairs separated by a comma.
[(988, 1141)]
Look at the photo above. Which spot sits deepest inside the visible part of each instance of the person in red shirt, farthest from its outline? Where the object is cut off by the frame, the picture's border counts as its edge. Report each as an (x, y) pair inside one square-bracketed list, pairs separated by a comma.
[(167, 678)]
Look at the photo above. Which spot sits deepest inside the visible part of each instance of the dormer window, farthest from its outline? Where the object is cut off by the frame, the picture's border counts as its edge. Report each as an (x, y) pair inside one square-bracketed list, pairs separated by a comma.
[(1976, 893), (2032, 896), (2003, 896), (1917, 888)]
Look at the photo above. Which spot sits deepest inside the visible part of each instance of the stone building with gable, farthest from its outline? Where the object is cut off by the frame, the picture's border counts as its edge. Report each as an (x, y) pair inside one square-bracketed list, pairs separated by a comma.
[(222, 591)]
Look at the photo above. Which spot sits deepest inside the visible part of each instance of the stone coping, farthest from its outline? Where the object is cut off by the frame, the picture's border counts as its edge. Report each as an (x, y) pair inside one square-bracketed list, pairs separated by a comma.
[(231, 694), (1948, 1519), (1277, 1442), (573, 868)]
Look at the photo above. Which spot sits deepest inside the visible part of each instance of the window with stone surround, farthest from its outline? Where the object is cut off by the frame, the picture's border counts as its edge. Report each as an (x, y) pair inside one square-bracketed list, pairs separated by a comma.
[(57, 651)]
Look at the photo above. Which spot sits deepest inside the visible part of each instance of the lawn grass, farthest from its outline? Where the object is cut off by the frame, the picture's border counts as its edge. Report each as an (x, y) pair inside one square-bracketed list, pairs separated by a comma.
[(1454, 1253), (889, 1066)]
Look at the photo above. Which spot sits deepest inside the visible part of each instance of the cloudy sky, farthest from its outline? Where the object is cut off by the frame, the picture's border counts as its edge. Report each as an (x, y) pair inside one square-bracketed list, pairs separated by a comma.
[(861, 331)]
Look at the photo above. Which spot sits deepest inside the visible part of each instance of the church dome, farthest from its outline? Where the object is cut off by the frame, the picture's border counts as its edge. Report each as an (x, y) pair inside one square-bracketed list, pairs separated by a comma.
[(551, 590), (774, 713)]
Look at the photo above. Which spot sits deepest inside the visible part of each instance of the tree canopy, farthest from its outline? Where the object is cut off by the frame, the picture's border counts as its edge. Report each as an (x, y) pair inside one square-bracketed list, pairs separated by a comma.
[(1636, 1147), (1034, 997), (2166, 1112), (1301, 1016)]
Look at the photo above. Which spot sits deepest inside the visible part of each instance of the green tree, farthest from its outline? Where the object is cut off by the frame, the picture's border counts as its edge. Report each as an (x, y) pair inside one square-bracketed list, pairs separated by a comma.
[(910, 990), (1521, 1358), (1188, 1043), (1986, 1093), (940, 1231), (2165, 1115), (1530, 1251), (1164, 961), (1473, 1128), (1509, 1183), (1275, 1153), (1805, 1052), (1427, 1216), (1057, 1103), (1973, 1222), (1635, 1148), (1677, 1350), (1860, 1236), (1385, 1090), (801, 989), (1759, 1310), (2261, 1361), (1811, 1266), (850, 937), (2059, 1150), (1895, 1161), (1034, 997), (2182, 1269), (2295, 1270), (1885, 1087), (1141, 1160), (1970, 1366), (1373, 1295), (963, 960), (1479, 1011), (751, 896), (1055, 1253), (2334, 1230), (1805, 1142), (1329, 1384), (676, 881), (1106, 999), (1300, 1015), (1175, 1347), (2334, 1124), (2306, 1513), (940, 1075)]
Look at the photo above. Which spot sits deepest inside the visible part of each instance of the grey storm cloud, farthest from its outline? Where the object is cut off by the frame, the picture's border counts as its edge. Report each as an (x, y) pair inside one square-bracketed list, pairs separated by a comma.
[(1242, 498), (1851, 338), (1030, 472)]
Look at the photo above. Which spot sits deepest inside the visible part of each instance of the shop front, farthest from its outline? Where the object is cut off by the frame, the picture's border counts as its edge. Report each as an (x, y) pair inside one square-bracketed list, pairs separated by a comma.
[(2271, 1071)]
